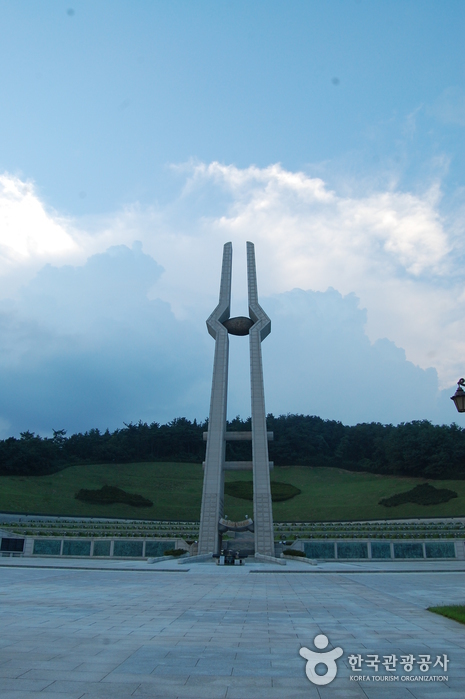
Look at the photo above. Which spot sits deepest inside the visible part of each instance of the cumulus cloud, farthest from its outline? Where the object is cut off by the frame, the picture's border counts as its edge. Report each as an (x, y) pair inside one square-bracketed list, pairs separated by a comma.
[(97, 329), (391, 248), (26, 228)]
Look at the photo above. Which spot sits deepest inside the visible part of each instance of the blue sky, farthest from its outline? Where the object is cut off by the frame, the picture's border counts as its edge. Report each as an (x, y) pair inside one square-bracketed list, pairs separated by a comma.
[(329, 133)]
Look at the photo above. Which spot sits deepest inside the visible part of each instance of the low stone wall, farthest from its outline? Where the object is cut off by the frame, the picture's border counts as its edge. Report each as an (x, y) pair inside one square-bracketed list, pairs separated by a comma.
[(321, 549), (366, 549), (90, 548)]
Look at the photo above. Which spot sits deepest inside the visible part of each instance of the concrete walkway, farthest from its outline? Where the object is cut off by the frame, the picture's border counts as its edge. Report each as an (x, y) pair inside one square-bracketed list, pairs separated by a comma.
[(74, 628)]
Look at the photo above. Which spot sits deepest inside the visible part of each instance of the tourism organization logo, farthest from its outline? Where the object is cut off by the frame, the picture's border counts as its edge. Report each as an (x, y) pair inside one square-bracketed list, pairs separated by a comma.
[(360, 664), (327, 658)]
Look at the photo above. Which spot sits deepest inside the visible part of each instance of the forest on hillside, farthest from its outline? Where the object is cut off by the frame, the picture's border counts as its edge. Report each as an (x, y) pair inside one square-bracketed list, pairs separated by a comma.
[(415, 448)]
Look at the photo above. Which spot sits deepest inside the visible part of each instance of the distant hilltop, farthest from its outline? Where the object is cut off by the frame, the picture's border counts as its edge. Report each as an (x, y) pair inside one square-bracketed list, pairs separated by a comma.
[(417, 448)]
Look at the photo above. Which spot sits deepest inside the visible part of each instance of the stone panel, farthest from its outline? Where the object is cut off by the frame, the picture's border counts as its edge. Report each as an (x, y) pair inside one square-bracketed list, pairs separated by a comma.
[(319, 549), (158, 548), (47, 547), (440, 549), (130, 549), (102, 548), (352, 549), (380, 549), (76, 548), (408, 550)]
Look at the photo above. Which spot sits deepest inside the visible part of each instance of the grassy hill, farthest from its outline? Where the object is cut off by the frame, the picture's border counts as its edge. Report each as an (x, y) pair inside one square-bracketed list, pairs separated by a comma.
[(176, 491)]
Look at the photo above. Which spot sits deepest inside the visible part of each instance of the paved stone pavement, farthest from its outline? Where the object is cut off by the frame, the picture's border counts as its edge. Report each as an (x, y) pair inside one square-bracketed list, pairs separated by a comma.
[(82, 629)]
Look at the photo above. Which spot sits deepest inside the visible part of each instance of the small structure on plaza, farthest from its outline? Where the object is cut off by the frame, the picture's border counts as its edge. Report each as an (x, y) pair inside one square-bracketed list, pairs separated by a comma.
[(257, 327)]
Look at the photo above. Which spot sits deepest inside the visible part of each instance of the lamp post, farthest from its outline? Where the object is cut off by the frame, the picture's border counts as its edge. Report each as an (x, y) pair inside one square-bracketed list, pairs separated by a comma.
[(459, 396)]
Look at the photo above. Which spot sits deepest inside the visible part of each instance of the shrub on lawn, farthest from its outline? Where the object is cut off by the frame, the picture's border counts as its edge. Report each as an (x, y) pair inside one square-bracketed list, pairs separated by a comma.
[(174, 552), (294, 552), (244, 490), (424, 494), (109, 494)]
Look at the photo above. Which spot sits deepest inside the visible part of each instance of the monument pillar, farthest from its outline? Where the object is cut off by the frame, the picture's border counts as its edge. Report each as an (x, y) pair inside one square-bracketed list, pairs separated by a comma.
[(257, 326), (262, 506), (213, 479)]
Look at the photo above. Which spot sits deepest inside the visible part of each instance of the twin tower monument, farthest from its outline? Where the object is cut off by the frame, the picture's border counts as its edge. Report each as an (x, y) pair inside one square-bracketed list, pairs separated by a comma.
[(257, 327)]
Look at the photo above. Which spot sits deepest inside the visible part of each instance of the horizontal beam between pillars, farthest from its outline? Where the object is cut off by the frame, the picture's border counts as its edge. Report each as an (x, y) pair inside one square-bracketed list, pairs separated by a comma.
[(240, 465), (240, 436)]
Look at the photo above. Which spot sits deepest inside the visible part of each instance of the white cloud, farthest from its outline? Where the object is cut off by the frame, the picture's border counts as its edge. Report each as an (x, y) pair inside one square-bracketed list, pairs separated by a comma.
[(30, 235), (26, 228), (391, 248)]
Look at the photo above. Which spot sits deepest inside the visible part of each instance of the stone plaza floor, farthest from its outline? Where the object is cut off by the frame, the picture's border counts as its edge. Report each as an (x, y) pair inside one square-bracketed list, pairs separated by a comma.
[(74, 629)]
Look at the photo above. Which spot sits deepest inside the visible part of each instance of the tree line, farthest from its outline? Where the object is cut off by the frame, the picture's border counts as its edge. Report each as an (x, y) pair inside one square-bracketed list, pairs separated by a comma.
[(416, 448)]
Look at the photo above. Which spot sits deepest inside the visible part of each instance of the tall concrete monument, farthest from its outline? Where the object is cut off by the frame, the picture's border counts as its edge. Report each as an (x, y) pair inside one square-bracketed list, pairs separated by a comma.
[(257, 327)]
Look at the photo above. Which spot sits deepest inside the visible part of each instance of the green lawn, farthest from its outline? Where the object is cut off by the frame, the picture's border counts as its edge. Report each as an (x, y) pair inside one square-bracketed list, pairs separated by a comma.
[(335, 494), (176, 490), (456, 612)]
